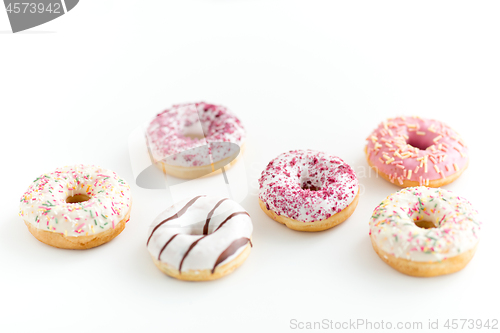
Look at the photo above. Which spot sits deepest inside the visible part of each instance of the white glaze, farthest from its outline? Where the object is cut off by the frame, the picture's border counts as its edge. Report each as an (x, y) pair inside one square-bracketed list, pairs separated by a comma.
[(222, 135), (394, 231), (44, 204), (189, 228), (282, 181)]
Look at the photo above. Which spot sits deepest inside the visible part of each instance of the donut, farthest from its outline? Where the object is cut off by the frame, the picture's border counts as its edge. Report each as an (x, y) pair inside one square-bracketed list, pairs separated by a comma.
[(76, 207), (192, 140), (200, 238), (423, 231), (308, 190), (413, 151)]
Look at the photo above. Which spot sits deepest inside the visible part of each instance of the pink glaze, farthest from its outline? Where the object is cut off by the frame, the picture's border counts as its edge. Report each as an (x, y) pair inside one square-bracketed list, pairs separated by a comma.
[(221, 134), (307, 185), (416, 149)]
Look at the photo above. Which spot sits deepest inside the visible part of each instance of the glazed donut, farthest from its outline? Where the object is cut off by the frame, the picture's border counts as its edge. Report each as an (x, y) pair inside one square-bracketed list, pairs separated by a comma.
[(412, 151), (308, 190), (201, 238), (422, 231), (76, 207), (192, 140)]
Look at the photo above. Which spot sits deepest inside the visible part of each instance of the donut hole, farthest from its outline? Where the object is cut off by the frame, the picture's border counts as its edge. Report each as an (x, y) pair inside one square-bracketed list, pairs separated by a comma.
[(425, 224), (309, 185), (77, 198), (421, 142), (193, 131), (197, 230)]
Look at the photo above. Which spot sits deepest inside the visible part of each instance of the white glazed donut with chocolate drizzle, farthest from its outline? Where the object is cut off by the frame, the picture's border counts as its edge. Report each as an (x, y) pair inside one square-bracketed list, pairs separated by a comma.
[(200, 238)]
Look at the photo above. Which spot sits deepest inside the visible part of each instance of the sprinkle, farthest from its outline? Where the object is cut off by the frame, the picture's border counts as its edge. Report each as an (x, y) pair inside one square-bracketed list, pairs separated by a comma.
[(409, 174), (420, 133), (397, 154), (437, 138), (456, 167), (405, 155), (436, 168)]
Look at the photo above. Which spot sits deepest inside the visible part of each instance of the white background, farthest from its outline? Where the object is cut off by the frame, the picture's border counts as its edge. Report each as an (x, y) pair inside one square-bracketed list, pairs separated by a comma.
[(300, 74)]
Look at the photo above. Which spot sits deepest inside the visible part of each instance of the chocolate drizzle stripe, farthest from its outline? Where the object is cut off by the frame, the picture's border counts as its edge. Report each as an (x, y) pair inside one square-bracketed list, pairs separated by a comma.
[(164, 246), (199, 239), (189, 250), (230, 217), (175, 216), (231, 249), (209, 217)]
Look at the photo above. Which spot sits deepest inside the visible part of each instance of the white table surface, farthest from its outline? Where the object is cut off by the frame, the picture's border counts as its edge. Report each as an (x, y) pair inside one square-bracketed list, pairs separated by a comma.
[(299, 74)]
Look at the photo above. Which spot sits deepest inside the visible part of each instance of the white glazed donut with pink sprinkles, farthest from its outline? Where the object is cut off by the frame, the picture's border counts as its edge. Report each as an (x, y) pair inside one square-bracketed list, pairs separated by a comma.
[(308, 190), (413, 151), (195, 139)]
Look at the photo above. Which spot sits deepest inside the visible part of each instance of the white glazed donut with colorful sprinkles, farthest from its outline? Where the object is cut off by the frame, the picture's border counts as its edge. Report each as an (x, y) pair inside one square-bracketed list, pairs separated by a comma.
[(192, 140), (76, 207), (201, 238), (308, 190), (424, 231), (413, 151)]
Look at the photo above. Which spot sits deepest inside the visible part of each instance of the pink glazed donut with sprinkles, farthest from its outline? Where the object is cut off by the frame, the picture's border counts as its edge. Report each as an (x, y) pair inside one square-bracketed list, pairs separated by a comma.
[(308, 190), (413, 151), (192, 140)]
